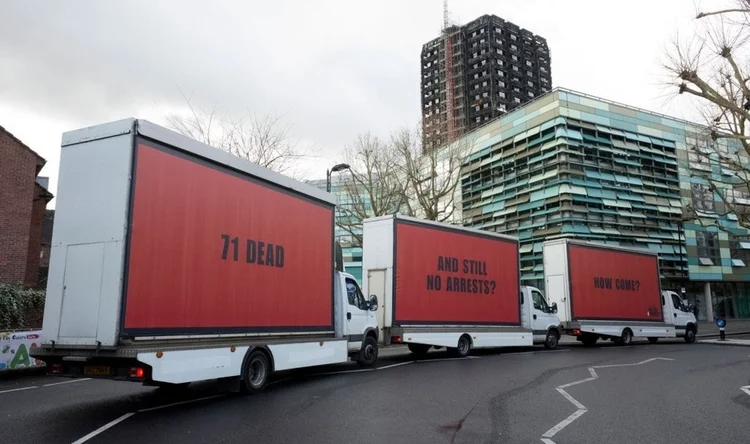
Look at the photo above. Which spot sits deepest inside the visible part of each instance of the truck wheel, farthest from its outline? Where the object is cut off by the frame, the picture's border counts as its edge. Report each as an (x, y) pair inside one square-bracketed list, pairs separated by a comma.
[(626, 338), (368, 354), (690, 334), (255, 373), (552, 339), (463, 348), (419, 350), (653, 340)]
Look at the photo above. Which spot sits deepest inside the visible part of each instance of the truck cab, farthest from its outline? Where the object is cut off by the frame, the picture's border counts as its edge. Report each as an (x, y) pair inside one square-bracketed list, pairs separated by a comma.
[(356, 319), (677, 312), (540, 317)]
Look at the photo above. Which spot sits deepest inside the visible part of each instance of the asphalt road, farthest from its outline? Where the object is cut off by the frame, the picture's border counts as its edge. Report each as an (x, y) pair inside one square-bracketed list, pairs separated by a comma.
[(662, 393)]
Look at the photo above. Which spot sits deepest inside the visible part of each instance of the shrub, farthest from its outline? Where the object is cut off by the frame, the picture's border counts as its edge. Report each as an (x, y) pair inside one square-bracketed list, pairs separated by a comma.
[(20, 308)]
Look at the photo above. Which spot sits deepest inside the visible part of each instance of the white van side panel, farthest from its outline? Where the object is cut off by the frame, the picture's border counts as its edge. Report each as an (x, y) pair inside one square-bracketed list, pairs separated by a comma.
[(478, 339)]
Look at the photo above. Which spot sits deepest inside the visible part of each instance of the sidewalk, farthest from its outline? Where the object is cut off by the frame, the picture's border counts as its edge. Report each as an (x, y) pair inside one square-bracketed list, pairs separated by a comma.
[(734, 327)]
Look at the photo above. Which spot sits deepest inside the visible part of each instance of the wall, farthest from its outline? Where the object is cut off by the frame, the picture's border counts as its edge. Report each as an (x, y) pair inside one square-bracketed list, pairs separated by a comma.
[(18, 170)]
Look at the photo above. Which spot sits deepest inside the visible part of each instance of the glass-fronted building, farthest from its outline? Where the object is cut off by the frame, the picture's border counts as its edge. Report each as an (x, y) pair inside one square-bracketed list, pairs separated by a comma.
[(571, 165), (350, 247)]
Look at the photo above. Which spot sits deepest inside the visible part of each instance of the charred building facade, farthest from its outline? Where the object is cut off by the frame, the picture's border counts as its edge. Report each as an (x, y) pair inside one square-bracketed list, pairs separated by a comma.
[(474, 73)]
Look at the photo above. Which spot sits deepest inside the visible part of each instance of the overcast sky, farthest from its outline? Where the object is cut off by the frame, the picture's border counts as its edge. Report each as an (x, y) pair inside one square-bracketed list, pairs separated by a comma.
[(336, 68)]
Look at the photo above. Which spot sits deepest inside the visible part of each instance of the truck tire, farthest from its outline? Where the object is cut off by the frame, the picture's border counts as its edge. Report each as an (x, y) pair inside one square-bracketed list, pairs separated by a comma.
[(653, 340), (463, 348), (419, 350), (552, 340), (690, 334), (255, 373), (626, 338), (368, 354)]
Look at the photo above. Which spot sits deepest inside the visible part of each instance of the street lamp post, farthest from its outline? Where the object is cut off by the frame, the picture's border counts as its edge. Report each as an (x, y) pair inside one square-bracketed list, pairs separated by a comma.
[(335, 169)]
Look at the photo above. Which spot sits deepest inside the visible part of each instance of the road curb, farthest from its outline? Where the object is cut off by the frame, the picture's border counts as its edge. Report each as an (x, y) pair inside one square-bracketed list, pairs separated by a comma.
[(716, 335), (728, 342)]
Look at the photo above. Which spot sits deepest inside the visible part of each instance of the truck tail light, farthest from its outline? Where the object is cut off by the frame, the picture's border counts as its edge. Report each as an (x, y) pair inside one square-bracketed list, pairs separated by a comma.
[(137, 372), (576, 332), (396, 339)]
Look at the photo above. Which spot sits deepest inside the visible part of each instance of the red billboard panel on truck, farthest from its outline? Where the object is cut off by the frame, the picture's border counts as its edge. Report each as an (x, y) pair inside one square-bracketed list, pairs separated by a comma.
[(445, 276), (610, 284), (212, 250)]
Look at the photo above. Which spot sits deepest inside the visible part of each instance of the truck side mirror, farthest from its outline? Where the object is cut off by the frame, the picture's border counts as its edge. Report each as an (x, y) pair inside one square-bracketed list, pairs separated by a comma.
[(553, 307), (373, 302)]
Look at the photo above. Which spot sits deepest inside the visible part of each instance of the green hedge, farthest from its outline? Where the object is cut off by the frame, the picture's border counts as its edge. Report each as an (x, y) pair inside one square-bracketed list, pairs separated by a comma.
[(20, 308)]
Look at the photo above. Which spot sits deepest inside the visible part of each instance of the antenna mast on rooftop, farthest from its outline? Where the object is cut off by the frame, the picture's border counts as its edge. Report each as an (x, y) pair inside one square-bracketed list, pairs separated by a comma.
[(446, 19)]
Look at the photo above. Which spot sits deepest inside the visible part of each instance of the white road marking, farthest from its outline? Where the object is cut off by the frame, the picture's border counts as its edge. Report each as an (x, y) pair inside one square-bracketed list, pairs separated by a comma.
[(159, 407), (66, 382), (564, 423), (582, 408), (746, 389), (20, 389), (104, 427), (43, 385), (386, 367), (394, 365)]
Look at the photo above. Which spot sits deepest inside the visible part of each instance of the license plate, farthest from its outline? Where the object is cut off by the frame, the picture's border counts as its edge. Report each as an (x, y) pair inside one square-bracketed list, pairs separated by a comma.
[(98, 370)]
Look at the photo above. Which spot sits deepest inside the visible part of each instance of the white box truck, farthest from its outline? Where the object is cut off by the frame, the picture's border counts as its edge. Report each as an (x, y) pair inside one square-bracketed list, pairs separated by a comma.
[(449, 286), (612, 292), (175, 262)]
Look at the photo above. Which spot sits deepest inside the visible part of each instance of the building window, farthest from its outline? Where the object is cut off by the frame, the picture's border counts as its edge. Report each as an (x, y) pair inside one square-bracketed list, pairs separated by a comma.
[(499, 51), (501, 95), (514, 47), (514, 58), (513, 37), (528, 63), (517, 100), (708, 247), (740, 249), (703, 197)]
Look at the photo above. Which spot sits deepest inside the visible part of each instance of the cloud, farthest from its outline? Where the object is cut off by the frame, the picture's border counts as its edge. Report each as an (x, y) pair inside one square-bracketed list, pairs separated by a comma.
[(335, 68)]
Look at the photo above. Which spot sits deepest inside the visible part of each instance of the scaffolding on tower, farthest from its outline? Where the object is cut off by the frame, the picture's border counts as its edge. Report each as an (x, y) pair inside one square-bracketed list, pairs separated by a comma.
[(448, 41)]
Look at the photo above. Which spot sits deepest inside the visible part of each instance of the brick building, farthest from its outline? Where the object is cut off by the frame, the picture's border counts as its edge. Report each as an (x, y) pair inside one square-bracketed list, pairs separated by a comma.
[(23, 202)]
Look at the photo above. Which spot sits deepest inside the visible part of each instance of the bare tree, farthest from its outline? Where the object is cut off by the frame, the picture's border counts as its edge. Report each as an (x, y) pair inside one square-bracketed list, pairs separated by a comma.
[(373, 187), (714, 69), (431, 178), (262, 140)]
